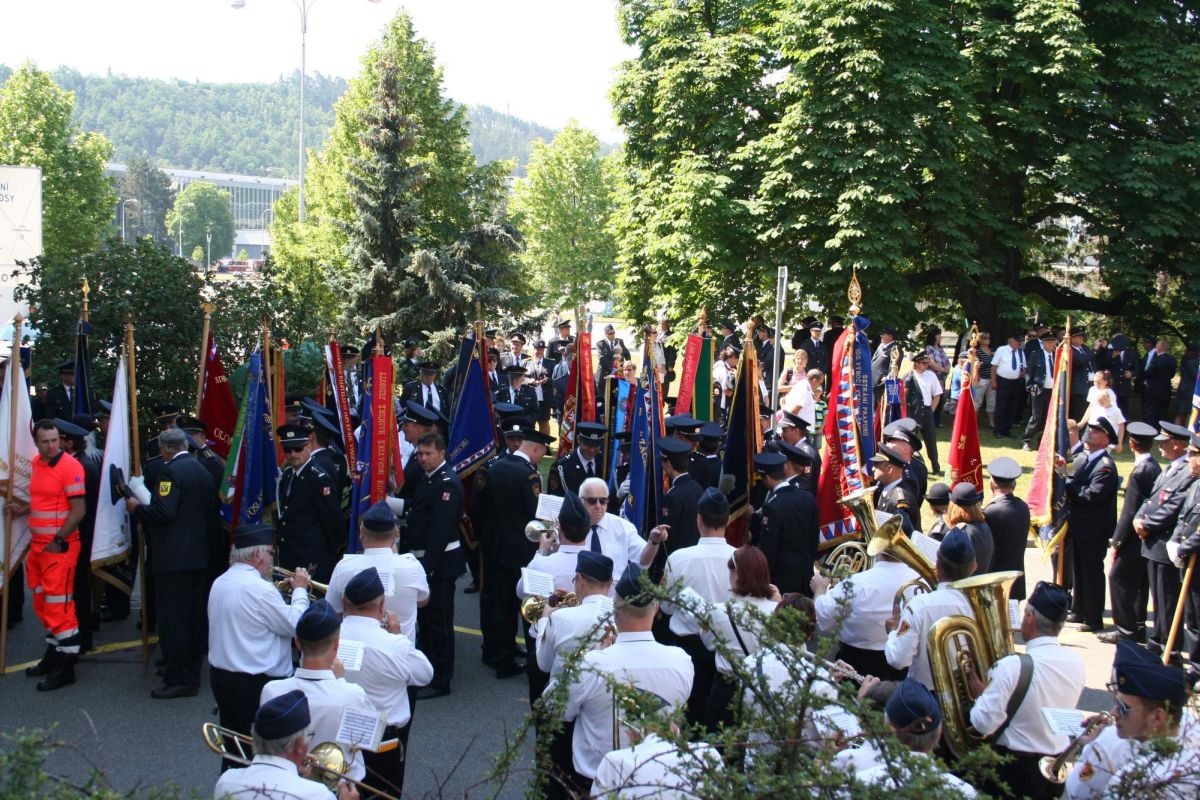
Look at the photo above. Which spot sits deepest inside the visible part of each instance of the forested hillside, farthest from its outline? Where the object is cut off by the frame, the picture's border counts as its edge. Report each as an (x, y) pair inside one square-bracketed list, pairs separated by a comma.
[(247, 128)]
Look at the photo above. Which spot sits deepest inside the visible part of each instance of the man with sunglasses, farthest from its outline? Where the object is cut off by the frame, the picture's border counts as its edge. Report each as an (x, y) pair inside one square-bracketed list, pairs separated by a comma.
[(311, 529), (1019, 686), (1117, 759), (616, 537)]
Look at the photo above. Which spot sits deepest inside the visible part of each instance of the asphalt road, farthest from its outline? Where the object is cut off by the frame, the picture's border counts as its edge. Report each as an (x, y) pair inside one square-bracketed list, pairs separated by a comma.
[(110, 722)]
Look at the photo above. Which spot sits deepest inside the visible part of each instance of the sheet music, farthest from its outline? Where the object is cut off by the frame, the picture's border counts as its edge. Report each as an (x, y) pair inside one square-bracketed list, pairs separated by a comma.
[(388, 579), (548, 506), (537, 582), (606, 606), (359, 728), (1014, 614), (926, 545), (1065, 721), (830, 721), (350, 653)]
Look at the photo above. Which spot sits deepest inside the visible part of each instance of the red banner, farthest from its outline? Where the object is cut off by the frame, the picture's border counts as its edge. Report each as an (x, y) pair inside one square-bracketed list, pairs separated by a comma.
[(217, 407), (687, 379), (383, 431), (840, 474), (278, 399), (335, 368), (587, 377), (965, 462)]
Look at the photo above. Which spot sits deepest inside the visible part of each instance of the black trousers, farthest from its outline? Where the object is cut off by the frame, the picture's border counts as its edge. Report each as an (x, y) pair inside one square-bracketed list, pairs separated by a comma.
[(498, 604), (929, 434), (83, 589), (1008, 404), (16, 597), (564, 782), (704, 661), (1192, 622), (1129, 590), (1087, 564), (1038, 406), (1125, 403), (1155, 408), (182, 623), (870, 662), (1165, 583), (721, 699), (385, 771), (1023, 777), (435, 630), (538, 680), (237, 695)]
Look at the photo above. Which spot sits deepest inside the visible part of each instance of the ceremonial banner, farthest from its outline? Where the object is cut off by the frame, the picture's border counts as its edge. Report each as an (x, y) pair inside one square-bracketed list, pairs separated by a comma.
[(849, 426), (892, 404), (472, 432), (375, 441), (113, 533), (645, 468), (579, 404), (17, 451), (702, 394), (335, 369), (743, 439), (687, 378), (1194, 420), (217, 406), (1047, 496), (383, 438), (82, 398), (256, 489), (277, 395), (965, 462)]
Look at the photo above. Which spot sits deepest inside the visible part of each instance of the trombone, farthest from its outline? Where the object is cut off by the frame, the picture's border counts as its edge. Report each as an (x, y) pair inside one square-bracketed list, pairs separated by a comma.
[(327, 759), (315, 589)]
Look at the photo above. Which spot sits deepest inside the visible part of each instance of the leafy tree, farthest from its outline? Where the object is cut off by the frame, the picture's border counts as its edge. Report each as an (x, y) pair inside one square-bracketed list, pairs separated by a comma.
[(197, 254), (36, 131), (151, 187), (308, 259), (203, 207), (562, 209)]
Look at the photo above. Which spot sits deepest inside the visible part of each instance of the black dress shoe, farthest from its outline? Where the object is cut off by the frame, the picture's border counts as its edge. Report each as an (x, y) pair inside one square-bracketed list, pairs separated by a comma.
[(1090, 628), (430, 692), (521, 652), (63, 674), (509, 669), (171, 692), (1109, 637), (46, 665), (1074, 618), (472, 589)]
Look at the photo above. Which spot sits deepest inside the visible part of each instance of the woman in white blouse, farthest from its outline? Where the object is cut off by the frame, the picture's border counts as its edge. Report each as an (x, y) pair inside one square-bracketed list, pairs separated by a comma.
[(1102, 402)]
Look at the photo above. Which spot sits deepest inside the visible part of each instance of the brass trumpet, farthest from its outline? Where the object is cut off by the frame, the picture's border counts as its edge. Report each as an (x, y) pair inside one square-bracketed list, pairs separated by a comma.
[(537, 528), (532, 606), (315, 590), (1055, 768), (327, 759)]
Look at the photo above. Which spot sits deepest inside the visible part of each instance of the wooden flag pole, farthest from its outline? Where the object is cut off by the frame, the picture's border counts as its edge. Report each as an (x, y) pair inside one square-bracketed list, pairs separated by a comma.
[(1061, 566), (207, 308), (1177, 620), (11, 455), (135, 468)]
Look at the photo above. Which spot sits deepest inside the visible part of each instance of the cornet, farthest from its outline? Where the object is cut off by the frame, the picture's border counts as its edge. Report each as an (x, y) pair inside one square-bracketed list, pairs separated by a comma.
[(1054, 768), (536, 529), (315, 589)]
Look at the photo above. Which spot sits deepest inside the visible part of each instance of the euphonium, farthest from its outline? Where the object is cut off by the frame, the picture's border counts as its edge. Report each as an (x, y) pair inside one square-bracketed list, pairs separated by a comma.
[(532, 606), (956, 641), (315, 589), (844, 560), (1054, 768)]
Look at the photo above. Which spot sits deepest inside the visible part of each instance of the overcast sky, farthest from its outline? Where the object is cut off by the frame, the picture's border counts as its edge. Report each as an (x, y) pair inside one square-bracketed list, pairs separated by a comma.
[(543, 60)]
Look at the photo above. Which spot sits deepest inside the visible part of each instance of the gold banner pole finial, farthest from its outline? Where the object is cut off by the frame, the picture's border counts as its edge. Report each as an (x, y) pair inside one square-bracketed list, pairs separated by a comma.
[(86, 291), (854, 294)]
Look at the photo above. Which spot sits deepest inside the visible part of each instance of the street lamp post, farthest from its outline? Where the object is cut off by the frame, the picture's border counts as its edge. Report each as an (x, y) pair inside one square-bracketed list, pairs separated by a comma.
[(208, 248), (123, 204), (180, 221), (304, 6)]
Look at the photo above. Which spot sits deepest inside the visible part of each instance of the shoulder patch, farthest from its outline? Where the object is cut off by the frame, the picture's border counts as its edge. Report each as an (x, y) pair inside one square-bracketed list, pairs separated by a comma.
[(164, 488)]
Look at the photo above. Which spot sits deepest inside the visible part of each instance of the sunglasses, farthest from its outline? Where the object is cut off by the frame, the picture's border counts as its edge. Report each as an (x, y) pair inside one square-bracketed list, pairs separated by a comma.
[(293, 449), (596, 501)]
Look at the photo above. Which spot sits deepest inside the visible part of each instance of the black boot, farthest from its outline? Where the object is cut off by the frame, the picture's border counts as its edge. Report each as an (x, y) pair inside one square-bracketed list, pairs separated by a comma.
[(63, 675), (46, 665)]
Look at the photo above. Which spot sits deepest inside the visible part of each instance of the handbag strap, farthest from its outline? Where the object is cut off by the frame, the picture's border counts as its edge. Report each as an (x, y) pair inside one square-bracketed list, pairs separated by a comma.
[(1018, 696), (738, 634)]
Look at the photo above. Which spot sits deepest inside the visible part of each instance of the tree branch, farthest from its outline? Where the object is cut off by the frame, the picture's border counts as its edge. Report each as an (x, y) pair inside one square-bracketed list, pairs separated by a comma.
[(1062, 207), (1063, 298), (930, 277)]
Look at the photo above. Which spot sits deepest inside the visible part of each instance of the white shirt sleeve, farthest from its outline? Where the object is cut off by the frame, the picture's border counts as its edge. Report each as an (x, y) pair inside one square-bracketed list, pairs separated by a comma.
[(989, 711), (280, 617), (547, 644), (904, 642), (831, 606)]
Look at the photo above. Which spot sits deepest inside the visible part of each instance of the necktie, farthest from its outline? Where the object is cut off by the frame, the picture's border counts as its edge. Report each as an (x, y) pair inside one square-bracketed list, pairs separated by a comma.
[(512, 395), (428, 397), (68, 388), (1014, 359), (591, 469), (595, 539)]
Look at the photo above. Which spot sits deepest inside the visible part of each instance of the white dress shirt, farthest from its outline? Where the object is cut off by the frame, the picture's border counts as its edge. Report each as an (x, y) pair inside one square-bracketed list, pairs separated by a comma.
[(250, 628), (619, 541), (789, 672), (703, 568), (404, 583), (634, 660), (1145, 768), (858, 606), (1097, 763), (560, 565), (1002, 362), (907, 646), (930, 385), (654, 768), (390, 664), (327, 696), (1058, 678), (561, 633), (885, 775), (268, 776), (735, 612)]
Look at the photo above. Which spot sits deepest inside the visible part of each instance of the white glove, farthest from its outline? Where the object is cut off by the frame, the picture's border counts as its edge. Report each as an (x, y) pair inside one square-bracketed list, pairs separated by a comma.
[(138, 484), (396, 504), (623, 489), (1173, 553)]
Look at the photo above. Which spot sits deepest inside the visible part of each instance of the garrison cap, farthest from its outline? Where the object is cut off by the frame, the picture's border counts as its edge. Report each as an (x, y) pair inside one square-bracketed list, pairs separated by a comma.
[(1141, 431), (713, 502), (328, 424), (1051, 601), (67, 366), (563, 323), (252, 535), (596, 566), (886, 455), (105, 408), (282, 716), (517, 336), (1141, 674), (349, 350), (769, 462), (379, 518), (514, 369), (791, 420), (165, 410), (293, 402), (573, 515), (1048, 336), (913, 708), (683, 423), (69, 429), (956, 548), (189, 424), (364, 587), (508, 410), (1102, 424), (794, 454), (711, 430), (629, 587), (86, 421), (319, 621), (532, 434), (415, 412), (1004, 469), (428, 367), (672, 447)]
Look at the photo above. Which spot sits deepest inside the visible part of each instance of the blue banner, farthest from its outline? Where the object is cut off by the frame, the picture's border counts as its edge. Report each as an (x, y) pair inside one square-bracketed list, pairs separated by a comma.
[(83, 371), (864, 394), (472, 432), (634, 507), (259, 470)]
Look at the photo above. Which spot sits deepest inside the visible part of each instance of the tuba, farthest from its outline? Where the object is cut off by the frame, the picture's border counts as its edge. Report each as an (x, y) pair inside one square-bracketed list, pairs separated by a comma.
[(957, 641), (887, 536)]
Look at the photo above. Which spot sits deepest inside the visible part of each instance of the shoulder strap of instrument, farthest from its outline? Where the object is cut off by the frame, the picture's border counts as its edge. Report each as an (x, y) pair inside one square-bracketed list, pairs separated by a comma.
[(1018, 695)]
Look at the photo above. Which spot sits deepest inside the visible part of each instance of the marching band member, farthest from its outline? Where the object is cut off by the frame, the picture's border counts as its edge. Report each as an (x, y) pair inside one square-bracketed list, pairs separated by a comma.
[(320, 678), (560, 562), (281, 734), (634, 660), (250, 627), (561, 630), (857, 608), (908, 631), (388, 665), (1019, 686)]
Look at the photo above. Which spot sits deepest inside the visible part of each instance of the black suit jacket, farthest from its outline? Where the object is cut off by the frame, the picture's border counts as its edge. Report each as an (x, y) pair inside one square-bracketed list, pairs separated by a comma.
[(1122, 362), (183, 507), (511, 488), (1156, 379), (789, 537), (568, 473), (311, 529), (414, 392), (607, 350), (881, 362), (1137, 488), (818, 356), (1008, 517), (1187, 530), (1035, 372), (679, 511), (57, 404), (526, 398), (1081, 366), (432, 515), (1092, 498), (1160, 512)]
